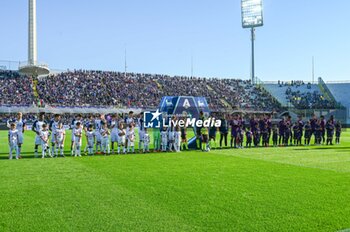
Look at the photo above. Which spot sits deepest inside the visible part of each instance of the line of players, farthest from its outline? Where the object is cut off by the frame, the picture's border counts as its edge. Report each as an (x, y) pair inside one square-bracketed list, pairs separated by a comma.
[(99, 133), (101, 136), (121, 133), (260, 131)]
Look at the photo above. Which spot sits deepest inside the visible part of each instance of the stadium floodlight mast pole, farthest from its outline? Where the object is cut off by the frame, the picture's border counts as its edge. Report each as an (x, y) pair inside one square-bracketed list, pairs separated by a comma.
[(32, 44), (191, 66), (32, 66), (252, 31), (252, 17), (125, 64)]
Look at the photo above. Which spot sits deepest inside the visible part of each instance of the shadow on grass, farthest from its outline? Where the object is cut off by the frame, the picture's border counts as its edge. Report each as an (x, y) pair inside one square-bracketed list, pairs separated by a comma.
[(6, 157), (331, 147), (30, 155), (24, 155), (348, 151)]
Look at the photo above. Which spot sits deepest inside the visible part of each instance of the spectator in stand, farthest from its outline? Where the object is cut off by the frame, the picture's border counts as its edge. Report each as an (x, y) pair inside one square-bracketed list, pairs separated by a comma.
[(100, 88), (308, 100), (15, 89)]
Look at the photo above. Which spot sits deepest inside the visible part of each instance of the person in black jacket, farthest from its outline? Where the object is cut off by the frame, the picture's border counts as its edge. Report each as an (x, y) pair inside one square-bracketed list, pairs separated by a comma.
[(330, 130), (223, 130), (337, 132)]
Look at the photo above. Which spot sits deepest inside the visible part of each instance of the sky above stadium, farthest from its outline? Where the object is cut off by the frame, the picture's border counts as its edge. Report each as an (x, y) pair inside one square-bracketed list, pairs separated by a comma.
[(162, 36)]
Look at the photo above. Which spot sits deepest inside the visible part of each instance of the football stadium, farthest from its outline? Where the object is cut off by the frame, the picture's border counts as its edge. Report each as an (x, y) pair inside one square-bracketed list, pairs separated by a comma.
[(148, 145)]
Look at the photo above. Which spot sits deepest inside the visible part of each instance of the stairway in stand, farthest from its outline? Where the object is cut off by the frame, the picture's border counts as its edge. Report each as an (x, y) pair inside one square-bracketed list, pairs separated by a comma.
[(228, 106), (35, 92)]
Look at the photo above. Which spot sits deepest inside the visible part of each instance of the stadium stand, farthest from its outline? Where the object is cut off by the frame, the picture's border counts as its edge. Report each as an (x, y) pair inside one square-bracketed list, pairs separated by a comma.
[(241, 94), (340, 92), (101, 88), (15, 89), (29, 118), (300, 95), (86, 88), (81, 88)]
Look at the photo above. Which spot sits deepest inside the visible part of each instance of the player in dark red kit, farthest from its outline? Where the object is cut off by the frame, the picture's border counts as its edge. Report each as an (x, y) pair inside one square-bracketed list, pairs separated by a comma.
[(323, 129), (234, 124), (261, 126), (337, 132), (253, 122), (301, 127), (281, 131), (264, 136), (288, 128), (241, 130), (330, 130), (313, 122), (307, 133), (268, 122)]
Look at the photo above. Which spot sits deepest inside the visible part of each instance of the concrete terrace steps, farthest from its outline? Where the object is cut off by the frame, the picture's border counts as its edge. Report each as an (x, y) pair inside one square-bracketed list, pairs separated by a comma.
[(340, 92), (222, 100), (279, 92)]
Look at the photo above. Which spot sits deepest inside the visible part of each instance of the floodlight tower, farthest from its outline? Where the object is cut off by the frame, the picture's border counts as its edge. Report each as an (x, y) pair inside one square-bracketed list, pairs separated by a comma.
[(32, 66), (252, 17)]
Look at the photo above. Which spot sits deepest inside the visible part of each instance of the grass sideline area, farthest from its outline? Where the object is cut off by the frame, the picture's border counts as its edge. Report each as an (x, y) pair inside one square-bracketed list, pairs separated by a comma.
[(264, 189)]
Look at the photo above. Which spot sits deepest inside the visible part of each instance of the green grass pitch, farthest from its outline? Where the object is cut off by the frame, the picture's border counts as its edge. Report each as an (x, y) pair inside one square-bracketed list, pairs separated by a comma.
[(265, 189)]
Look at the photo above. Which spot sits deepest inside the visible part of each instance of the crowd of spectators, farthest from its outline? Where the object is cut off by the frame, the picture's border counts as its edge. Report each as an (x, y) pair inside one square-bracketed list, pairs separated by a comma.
[(124, 90), (101, 88), (309, 100), (31, 117), (15, 89), (241, 94), (189, 86), (97, 88), (28, 117)]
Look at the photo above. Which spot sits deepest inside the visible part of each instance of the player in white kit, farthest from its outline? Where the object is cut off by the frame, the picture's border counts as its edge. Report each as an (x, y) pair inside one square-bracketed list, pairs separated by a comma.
[(146, 140), (105, 139), (177, 139), (171, 138), (75, 121), (87, 123), (141, 127), (129, 120), (90, 139), (164, 137), (45, 139), (114, 133), (53, 129), (60, 136), (121, 138), (37, 128), (99, 121), (78, 133), (13, 138), (130, 134)]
